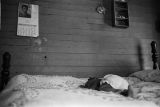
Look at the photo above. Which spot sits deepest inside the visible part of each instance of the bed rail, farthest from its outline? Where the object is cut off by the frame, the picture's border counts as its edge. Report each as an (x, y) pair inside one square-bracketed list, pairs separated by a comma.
[(154, 55), (5, 69)]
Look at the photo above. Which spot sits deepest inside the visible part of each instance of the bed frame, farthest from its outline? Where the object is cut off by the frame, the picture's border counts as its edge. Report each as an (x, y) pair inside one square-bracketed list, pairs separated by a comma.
[(154, 55), (5, 73)]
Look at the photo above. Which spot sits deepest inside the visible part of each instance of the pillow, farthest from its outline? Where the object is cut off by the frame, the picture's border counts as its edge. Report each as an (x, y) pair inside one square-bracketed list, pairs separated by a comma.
[(147, 75)]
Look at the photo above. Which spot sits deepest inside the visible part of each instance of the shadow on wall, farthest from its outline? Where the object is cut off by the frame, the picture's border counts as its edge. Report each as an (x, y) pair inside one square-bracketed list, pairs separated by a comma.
[(108, 14), (140, 56), (124, 69)]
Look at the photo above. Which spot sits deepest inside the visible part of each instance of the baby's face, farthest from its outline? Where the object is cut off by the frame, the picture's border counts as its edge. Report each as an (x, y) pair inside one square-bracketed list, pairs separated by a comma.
[(103, 80), (24, 9)]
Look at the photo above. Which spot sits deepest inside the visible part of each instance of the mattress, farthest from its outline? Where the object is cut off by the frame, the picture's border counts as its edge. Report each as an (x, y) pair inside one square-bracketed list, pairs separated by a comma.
[(64, 91)]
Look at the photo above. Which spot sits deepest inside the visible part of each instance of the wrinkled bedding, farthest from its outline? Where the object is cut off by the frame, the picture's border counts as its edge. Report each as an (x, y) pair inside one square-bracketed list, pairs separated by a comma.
[(64, 91)]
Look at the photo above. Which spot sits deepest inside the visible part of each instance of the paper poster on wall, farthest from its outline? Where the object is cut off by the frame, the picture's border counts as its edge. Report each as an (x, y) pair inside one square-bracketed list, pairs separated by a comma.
[(28, 20)]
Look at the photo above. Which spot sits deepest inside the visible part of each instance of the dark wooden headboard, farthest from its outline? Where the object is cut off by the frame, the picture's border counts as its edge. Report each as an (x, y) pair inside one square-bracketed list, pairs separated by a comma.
[(154, 55), (5, 69), (5, 73)]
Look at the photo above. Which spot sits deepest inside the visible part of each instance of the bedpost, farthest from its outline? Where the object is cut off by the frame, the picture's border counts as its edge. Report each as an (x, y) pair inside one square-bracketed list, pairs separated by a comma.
[(154, 55), (5, 69)]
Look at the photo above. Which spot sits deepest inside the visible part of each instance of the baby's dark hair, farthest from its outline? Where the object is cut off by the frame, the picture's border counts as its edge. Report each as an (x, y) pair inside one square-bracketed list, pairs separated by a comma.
[(25, 6)]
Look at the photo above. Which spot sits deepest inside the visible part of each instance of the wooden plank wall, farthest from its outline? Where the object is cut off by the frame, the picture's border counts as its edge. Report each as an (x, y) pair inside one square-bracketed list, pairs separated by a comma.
[(76, 40)]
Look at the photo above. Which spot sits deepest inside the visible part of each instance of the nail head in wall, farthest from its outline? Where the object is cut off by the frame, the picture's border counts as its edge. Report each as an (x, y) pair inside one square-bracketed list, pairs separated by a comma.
[(45, 60), (45, 57)]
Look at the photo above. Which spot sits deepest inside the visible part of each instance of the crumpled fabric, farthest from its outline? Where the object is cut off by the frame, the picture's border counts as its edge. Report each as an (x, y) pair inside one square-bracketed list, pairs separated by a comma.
[(115, 81)]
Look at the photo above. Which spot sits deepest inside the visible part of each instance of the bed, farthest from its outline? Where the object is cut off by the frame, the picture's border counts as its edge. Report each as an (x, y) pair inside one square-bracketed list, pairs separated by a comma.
[(25, 90)]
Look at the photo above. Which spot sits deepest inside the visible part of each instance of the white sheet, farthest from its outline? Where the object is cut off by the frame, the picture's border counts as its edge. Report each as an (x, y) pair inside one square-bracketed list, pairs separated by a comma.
[(57, 91)]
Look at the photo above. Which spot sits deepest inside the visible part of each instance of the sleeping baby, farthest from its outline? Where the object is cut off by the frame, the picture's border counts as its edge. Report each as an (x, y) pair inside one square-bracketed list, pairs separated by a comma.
[(112, 83)]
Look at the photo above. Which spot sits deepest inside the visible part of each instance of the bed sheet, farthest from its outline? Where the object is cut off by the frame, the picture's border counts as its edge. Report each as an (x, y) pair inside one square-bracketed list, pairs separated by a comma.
[(63, 91)]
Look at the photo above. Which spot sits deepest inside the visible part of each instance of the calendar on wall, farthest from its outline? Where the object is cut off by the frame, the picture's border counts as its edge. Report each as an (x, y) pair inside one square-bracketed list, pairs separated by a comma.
[(28, 20)]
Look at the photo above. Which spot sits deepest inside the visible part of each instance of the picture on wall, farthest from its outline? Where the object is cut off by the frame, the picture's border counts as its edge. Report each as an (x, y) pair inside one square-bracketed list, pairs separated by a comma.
[(28, 20), (24, 10)]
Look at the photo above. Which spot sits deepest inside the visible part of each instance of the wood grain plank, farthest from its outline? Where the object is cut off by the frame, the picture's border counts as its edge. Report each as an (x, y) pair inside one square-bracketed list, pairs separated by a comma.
[(63, 49), (79, 45), (70, 59), (83, 72), (12, 42)]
